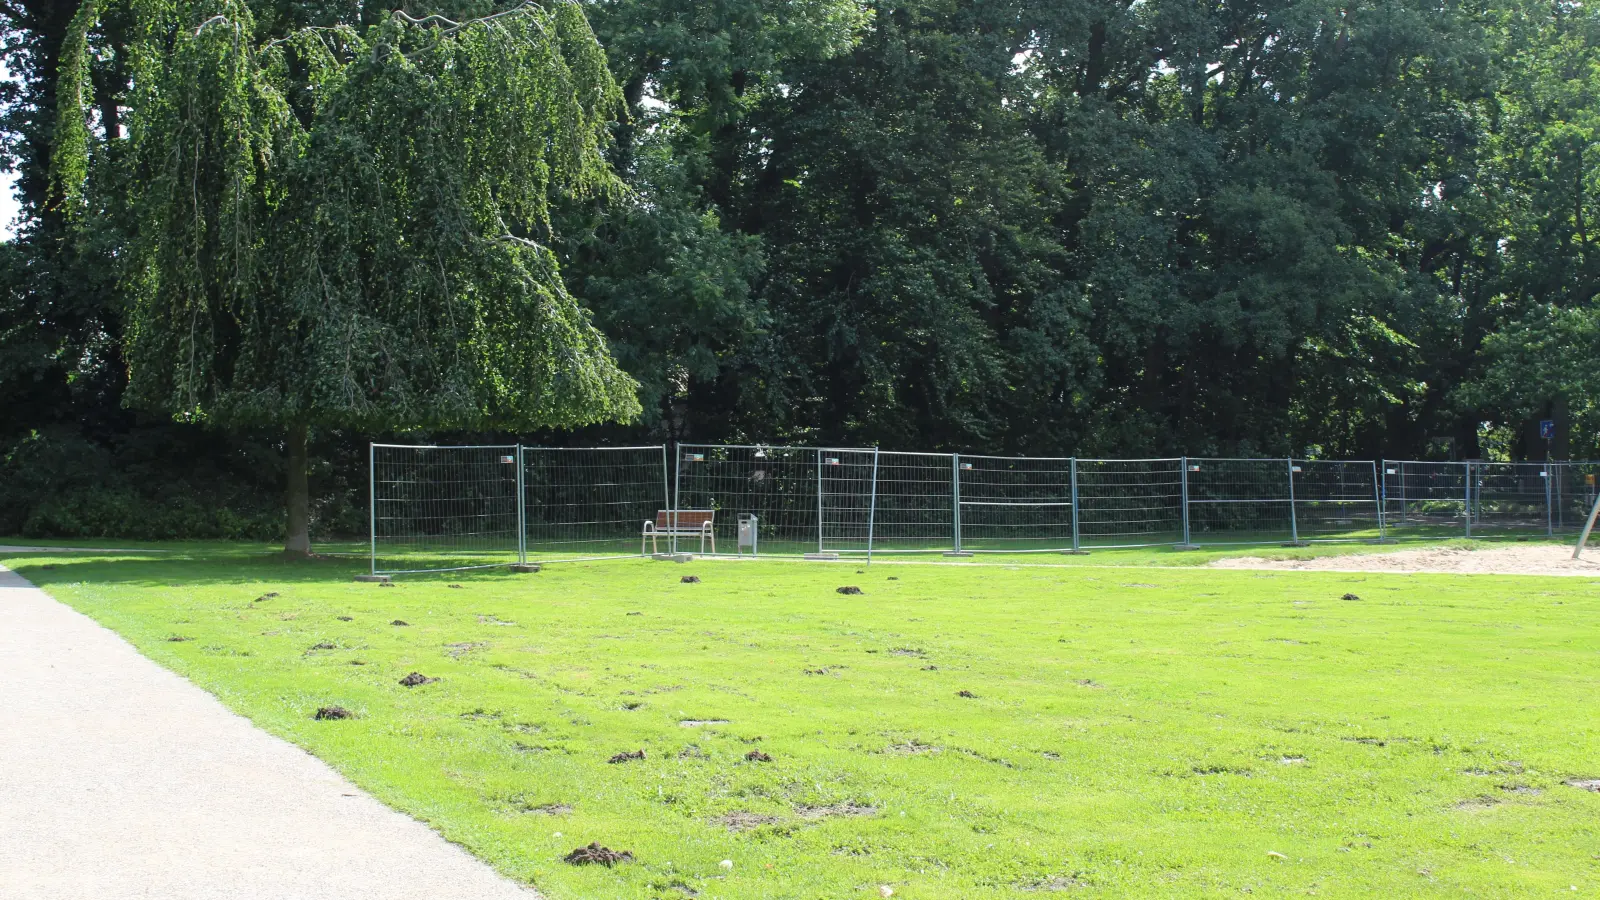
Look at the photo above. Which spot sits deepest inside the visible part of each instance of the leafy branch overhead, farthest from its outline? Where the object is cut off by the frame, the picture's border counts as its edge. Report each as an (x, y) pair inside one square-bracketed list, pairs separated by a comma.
[(352, 227)]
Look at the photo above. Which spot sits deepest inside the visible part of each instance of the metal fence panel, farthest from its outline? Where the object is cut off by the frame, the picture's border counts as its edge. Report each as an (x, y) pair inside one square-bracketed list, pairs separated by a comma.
[(916, 503), (1336, 500), (847, 480), (777, 484), (1239, 501), (1509, 497), (591, 502), (1130, 502), (1015, 504), (443, 508), (1425, 499), (1573, 492)]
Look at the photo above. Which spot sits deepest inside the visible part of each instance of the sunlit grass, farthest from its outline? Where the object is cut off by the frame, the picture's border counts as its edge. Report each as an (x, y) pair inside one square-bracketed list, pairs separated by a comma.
[(1162, 730)]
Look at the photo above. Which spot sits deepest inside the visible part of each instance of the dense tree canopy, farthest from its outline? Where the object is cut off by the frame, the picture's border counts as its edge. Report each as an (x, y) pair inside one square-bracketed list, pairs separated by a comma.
[(345, 227), (1093, 226)]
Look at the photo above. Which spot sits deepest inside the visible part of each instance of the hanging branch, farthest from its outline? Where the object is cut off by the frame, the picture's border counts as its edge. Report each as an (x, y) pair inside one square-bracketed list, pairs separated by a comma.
[(355, 257)]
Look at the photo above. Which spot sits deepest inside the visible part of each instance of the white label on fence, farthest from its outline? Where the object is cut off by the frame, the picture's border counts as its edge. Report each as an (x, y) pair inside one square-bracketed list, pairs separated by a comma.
[(1194, 468), (1388, 471), (508, 459), (832, 460), (694, 457), (966, 465), (1294, 468)]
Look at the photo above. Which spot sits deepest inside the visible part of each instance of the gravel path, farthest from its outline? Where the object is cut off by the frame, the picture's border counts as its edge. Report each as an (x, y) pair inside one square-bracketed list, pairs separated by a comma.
[(121, 780), (1498, 559)]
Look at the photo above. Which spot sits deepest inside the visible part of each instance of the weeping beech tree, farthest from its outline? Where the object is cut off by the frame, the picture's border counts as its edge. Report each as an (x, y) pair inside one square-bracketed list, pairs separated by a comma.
[(343, 228)]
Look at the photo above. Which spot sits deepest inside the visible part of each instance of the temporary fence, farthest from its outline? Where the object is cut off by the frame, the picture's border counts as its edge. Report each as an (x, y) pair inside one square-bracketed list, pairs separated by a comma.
[(436, 508), (1476, 498), (447, 508)]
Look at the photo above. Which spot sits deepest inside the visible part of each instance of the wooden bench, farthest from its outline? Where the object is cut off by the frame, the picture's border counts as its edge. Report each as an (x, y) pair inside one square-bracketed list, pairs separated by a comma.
[(695, 523)]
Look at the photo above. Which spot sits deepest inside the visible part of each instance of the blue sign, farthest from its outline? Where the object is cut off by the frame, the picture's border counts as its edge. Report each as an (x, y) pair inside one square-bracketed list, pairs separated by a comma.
[(1547, 428)]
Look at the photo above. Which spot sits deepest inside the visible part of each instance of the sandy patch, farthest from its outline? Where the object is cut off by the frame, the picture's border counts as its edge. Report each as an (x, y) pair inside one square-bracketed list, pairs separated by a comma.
[(1496, 559)]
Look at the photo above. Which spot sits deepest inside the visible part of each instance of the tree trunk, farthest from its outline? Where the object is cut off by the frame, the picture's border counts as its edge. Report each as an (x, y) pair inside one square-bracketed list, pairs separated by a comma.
[(298, 496)]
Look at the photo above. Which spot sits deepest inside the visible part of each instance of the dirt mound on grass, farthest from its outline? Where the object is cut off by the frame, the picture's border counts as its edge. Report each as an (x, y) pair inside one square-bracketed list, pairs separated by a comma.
[(416, 678), (745, 821), (849, 589), (836, 810), (1488, 559), (596, 855), (626, 756), (333, 712)]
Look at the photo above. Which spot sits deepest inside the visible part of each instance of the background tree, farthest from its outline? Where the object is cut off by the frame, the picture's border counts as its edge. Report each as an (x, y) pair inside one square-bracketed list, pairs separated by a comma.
[(336, 228), (1075, 226)]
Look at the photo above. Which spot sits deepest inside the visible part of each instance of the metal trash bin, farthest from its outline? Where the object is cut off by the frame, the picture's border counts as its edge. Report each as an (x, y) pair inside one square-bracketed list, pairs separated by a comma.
[(747, 533)]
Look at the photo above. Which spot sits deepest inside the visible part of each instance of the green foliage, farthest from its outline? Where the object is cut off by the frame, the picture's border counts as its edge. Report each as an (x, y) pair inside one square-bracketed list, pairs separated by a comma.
[(1010, 225), (346, 227), (71, 145)]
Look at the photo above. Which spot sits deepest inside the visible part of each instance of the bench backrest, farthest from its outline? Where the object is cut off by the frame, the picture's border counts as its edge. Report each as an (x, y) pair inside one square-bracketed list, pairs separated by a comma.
[(688, 519)]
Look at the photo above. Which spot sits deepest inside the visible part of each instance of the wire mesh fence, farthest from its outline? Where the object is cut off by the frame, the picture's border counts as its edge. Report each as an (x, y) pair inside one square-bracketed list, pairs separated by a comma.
[(1014, 504), (778, 485), (591, 502), (1240, 501), (915, 503), (441, 508), (1427, 499), (436, 508), (1336, 500), (847, 483), (1130, 502), (445, 508), (1573, 493), (1512, 497)]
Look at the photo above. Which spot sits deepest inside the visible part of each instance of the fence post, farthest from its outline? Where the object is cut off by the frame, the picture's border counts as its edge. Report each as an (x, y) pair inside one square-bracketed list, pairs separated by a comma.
[(666, 488), (1294, 526), (372, 502), (1380, 493), (677, 495), (872, 504), (1549, 512), (1468, 465), (1183, 476), (955, 497), (522, 512), (819, 499), (1075, 547)]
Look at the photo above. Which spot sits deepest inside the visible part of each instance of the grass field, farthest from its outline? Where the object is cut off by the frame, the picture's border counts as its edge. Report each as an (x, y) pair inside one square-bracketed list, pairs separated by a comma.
[(1150, 730)]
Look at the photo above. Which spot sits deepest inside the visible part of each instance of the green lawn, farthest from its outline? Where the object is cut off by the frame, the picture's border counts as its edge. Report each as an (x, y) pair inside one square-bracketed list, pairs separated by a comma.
[(1163, 730)]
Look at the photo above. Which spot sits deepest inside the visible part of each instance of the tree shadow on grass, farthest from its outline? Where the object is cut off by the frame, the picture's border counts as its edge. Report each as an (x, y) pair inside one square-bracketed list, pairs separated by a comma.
[(190, 565)]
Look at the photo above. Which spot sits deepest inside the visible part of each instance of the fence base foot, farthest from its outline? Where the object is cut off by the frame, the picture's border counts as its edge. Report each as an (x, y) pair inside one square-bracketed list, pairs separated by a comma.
[(1074, 553), (373, 579), (1186, 546), (674, 557), (1295, 544), (525, 568), (961, 553), (823, 557)]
